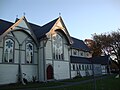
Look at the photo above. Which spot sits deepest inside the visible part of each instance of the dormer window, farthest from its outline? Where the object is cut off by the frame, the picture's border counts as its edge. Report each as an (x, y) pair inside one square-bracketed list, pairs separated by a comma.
[(57, 47), (75, 52)]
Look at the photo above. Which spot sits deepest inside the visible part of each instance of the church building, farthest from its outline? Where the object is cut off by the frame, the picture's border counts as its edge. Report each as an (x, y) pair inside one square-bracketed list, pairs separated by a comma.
[(37, 52)]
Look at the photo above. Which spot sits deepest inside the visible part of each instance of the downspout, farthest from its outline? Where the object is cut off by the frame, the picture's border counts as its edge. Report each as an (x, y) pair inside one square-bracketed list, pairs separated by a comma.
[(20, 78), (20, 67), (69, 51), (38, 61), (44, 63), (94, 79)]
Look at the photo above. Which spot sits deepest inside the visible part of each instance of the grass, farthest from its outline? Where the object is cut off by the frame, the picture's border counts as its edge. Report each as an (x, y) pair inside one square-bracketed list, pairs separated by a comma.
[(108, 83), (77, 79), (29, 85)]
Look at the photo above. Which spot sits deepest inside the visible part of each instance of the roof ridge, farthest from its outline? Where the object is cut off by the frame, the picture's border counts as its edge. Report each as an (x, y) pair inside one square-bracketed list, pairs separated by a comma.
[(31, 23), (50, 21), (35, 24), (76, 38)]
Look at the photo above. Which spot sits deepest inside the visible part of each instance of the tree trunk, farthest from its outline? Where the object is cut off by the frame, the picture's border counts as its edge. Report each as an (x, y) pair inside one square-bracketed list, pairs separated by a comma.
[(119, 66)]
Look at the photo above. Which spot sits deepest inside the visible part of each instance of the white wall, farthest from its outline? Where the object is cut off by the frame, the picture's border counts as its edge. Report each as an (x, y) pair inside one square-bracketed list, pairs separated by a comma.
[(48, 50), (49, 62), (1, 53), (61, 70), (1, 43), (73, 74), (82, 72), (66, 53), (8, 73), (30, 71), (41, 62)]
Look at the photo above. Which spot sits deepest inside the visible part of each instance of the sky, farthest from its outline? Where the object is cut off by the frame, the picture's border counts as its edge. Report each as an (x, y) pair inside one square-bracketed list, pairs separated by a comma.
[(83, 18)]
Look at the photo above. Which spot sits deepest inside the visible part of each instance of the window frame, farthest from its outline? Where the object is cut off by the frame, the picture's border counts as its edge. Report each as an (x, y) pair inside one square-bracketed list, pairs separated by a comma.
[(73, 66), (13, 48), (56, 51), (32, 59)]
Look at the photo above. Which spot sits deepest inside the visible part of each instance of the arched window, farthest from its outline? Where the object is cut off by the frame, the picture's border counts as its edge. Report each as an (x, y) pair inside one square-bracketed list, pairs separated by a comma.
[(57, 47), (29, 53), (8, 50)]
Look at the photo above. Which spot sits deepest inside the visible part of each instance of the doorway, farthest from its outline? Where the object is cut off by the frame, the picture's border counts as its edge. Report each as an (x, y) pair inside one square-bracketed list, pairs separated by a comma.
[(49, 72)]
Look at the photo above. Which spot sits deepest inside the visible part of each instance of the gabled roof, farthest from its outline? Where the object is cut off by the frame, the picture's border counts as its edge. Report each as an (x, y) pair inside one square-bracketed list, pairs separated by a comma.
[(79, 44), (41, 31), (4, 25), (8, 27), (100, 60), (35, 28), (82, 60)]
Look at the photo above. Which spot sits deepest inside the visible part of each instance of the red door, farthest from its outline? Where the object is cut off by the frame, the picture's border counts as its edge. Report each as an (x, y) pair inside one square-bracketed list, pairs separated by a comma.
[(49, 72)]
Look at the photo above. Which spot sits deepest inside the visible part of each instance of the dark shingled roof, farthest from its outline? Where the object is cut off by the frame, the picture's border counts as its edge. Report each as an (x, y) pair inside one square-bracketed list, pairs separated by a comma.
[(4, 25), (41, 31), (82, 60), (79, 44), (35, 28), (101, 60), (95, 60)]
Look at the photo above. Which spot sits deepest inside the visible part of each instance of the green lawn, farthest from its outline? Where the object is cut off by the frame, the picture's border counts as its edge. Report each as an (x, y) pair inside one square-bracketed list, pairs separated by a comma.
[(30, 85), (108, 83)]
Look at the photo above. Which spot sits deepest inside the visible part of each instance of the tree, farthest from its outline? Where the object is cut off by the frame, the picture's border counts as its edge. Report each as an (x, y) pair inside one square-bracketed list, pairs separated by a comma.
[(109, 44), (95, 48)]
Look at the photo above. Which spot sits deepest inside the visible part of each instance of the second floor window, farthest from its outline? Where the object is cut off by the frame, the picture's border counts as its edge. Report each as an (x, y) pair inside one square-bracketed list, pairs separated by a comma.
[(75, 52), (57, 47)]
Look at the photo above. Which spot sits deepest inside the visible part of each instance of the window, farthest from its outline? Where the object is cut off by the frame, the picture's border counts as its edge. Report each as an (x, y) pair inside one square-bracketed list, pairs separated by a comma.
[(73, 67), (75, 52), (91, 67), (87, 67), (80, 67), (8, 50), (57, 47), (83, 67), (81, 54), (29, 53), (77, 67), (87, 54)]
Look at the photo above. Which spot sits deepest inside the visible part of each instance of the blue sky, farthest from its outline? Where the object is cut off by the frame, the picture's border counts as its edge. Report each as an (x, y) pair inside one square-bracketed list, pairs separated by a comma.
[(81, 17)]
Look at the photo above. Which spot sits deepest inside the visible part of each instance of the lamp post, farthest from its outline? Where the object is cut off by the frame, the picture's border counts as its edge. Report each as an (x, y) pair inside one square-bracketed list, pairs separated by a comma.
[(94, 80)]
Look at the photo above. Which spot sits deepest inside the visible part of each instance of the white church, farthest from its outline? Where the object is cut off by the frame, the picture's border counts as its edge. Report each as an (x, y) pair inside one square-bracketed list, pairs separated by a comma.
[(44, 53)]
